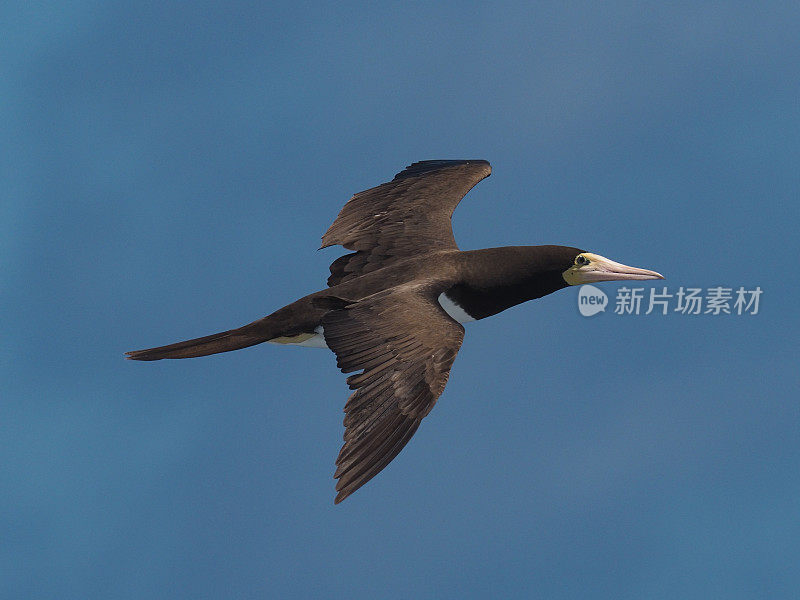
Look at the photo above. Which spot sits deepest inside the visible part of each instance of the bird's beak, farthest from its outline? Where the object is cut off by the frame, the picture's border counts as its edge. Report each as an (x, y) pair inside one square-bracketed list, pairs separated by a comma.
[(601, 268)]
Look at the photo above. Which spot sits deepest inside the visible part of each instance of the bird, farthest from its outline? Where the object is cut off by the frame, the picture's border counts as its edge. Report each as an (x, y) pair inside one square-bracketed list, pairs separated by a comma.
[(395, 306)]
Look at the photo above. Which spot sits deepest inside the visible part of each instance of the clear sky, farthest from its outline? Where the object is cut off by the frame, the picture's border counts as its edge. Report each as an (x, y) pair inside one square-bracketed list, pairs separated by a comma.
[(168, 172)]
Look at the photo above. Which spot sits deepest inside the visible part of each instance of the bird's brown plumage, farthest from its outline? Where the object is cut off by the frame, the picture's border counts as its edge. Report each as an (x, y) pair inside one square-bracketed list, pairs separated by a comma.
[(404, 344), (405, 217), (381, 313)]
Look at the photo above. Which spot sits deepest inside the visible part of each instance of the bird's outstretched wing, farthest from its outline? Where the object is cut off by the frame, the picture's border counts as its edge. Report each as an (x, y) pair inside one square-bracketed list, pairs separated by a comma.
[(405, 217), (404, 344)]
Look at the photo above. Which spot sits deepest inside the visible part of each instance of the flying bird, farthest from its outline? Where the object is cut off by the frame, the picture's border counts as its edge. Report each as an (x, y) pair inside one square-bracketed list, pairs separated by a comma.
[(394, 306)]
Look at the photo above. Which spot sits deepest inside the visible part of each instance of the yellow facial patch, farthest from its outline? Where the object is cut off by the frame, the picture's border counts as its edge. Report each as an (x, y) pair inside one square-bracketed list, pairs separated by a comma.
[(573, 275)]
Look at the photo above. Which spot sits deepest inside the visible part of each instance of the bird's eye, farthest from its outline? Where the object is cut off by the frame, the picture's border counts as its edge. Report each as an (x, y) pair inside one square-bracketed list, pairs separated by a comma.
[(581, 260)]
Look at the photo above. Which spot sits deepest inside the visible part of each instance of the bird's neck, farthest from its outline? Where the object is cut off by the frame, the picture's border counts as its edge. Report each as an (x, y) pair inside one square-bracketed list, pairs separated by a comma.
[(498, 278)]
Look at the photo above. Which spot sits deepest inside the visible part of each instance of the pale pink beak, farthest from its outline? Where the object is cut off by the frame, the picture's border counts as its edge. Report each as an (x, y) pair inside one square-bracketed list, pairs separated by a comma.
[(602, 269)]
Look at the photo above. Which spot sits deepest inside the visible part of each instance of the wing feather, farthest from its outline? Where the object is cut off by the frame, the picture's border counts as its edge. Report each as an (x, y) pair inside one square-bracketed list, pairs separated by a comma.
[(404, 344), (405, 217)]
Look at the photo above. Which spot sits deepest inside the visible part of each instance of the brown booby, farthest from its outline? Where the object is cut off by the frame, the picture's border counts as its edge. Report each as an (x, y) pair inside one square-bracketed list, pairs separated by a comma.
[(394, 307)]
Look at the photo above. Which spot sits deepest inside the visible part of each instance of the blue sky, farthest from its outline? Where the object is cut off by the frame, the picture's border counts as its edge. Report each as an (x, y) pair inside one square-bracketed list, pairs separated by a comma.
[(168, 172)]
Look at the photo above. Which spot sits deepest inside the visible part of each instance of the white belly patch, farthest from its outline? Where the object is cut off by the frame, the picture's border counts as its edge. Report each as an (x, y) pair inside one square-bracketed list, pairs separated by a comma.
[(307, 340), (454, 310)]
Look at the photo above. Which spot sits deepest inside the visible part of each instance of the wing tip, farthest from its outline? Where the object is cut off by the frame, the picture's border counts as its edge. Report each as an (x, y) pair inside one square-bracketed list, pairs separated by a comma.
[(421, 167)]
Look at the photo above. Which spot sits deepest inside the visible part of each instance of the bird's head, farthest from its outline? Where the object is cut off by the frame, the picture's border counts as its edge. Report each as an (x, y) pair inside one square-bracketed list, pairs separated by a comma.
[(590, 268)]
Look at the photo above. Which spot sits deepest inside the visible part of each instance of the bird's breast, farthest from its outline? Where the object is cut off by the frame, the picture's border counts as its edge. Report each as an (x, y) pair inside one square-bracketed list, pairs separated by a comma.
[(453, 309)]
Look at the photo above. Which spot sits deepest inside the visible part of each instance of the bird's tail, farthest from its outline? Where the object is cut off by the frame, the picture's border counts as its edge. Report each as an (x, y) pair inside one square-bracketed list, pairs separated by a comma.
[(233, 339)]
